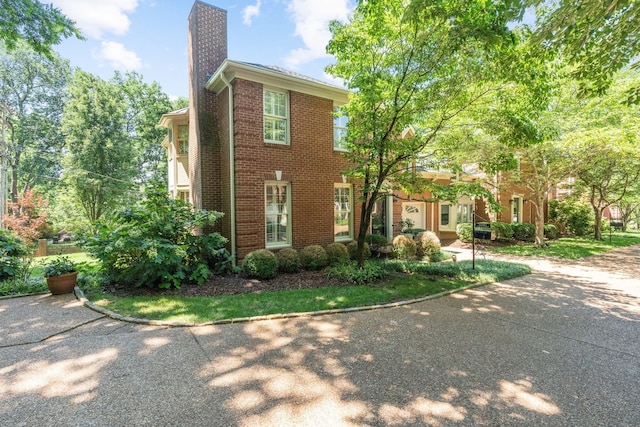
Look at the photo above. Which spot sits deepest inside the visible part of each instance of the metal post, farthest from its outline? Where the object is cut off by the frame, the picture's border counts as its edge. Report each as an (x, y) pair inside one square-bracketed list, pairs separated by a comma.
[(473, 237), (3, 173)]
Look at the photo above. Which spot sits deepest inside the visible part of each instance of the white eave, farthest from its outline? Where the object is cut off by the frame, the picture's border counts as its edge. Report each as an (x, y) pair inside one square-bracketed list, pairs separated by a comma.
[(167, 118), (279, 78)]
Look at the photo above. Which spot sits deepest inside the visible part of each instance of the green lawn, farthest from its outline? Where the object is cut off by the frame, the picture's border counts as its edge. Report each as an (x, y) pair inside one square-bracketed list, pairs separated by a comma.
[(572, 247), (410, 280)]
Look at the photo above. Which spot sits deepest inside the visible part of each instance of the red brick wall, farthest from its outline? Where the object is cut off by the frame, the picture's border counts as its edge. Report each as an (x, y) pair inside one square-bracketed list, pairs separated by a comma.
[(207, 50), (309, 164)]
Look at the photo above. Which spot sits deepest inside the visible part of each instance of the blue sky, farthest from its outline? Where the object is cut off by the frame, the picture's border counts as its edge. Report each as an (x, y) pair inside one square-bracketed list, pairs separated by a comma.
[(150, 36)]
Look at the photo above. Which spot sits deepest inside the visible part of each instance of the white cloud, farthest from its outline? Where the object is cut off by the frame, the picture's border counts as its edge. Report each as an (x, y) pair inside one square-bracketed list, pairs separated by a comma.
[(118, 56), (95, 18), (311, 18), (251, 12)]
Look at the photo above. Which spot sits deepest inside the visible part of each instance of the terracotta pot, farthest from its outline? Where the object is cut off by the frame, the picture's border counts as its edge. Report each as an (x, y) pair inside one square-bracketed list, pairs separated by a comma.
[(62, 284)]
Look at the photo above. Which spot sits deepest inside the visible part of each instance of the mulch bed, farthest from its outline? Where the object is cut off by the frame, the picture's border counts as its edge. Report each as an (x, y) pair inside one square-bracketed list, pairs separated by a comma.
[(235, 284)]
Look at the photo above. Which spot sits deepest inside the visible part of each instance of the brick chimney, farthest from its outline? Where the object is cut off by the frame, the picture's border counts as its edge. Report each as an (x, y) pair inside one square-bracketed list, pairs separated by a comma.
[(207, 28)]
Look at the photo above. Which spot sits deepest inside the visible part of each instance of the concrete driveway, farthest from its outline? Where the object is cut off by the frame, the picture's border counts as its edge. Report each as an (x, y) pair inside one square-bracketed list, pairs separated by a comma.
[(560, 347)]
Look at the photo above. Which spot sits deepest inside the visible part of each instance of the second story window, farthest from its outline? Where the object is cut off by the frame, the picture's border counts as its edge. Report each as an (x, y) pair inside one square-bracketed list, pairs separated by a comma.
[(339, 130), (276, 117), (183, 140)]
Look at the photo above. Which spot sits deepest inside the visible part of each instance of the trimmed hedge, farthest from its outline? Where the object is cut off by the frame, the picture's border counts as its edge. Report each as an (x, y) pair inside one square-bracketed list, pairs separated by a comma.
[(404, 247), (261, 264), (288, 260), (353, 245), (313, 257), (504, 230), (551, 231), (465, 231), (523, 231), (337, 253), (428, 244)]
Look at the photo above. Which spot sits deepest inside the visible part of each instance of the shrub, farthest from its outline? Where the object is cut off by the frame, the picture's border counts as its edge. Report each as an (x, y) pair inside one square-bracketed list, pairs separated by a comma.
[(261, 264), (360, 276), (154, 244), (375, 241), (404, 247), (504, 230), (352, 246), (523, 231), (428, 244), (551, 231), (288, 260), (464, 231), (11, 252), (313, 257), (337, 253), (573, 215)]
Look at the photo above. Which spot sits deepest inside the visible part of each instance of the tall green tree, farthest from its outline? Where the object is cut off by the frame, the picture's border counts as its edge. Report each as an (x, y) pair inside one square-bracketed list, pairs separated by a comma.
[(38, 25), (409, 66), (100, 162), (606, 139), (600, 37), (146, 103), (32, 97)]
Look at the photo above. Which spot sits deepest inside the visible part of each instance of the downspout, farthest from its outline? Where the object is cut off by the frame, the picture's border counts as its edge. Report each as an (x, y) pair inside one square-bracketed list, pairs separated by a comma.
[(232, 170)]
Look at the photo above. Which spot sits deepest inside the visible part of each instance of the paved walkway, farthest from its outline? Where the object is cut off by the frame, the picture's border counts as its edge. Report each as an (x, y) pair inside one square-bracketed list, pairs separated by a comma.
[(560, 347)]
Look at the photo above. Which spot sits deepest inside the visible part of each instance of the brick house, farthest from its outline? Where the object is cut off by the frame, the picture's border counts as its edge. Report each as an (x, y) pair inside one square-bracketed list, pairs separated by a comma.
[(262, 145)]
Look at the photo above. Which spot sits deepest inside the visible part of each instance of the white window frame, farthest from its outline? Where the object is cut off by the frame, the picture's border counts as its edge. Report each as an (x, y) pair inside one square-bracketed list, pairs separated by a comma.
[(276, 117), (183, 195), (182, 145), (451, 226), (337, 210), (517, 202), (339, 128), (284, 214)]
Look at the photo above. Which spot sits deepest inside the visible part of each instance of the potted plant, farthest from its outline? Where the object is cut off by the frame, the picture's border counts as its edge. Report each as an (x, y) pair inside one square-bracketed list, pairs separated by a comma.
[(61, 275)]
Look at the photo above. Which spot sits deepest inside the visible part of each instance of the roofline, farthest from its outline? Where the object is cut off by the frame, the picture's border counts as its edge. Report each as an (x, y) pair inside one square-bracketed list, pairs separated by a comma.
[(268, 77), (167, 118)]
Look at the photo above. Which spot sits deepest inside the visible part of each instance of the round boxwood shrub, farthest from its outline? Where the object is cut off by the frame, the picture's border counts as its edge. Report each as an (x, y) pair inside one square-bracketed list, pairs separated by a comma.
[(261, 264), (288, 260), (504, 231), (404, 247), (352, 246), (337, 253), (464, 231), (428, 244), (313, 257)]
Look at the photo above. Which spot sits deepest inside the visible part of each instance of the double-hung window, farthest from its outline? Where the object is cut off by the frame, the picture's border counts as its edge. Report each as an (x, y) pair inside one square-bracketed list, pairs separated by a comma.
[(339, 130), (276, 117), (342, 212), (183, 140), (277, 214)]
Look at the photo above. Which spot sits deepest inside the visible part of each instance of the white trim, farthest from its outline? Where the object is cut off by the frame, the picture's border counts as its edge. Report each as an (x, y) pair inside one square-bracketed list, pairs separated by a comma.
[(241, 70), (232, 171), (350, 207), (286, 117), (287, 243)]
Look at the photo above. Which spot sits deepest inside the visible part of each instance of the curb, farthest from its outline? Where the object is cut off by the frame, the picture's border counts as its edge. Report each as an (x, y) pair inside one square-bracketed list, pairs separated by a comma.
[(116, 316)]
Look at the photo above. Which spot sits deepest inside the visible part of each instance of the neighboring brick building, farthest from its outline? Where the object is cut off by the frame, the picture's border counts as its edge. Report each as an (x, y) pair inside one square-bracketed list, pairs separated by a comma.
[(261, 144)]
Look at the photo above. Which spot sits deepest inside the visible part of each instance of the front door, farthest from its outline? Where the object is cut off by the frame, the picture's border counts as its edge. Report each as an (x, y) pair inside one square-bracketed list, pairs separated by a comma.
[(415, 211)]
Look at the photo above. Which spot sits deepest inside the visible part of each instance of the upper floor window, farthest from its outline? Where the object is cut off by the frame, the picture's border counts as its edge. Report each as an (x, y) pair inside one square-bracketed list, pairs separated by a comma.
[(339, 130), (183, 140), (276, 117)]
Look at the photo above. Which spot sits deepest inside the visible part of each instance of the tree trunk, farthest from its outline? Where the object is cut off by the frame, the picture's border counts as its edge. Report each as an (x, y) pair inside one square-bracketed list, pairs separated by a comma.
[(597, 234), (365, 219), (539, 221)]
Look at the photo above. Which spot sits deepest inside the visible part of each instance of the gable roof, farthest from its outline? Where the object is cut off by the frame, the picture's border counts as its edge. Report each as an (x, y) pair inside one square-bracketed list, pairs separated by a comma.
[(271, 75)]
